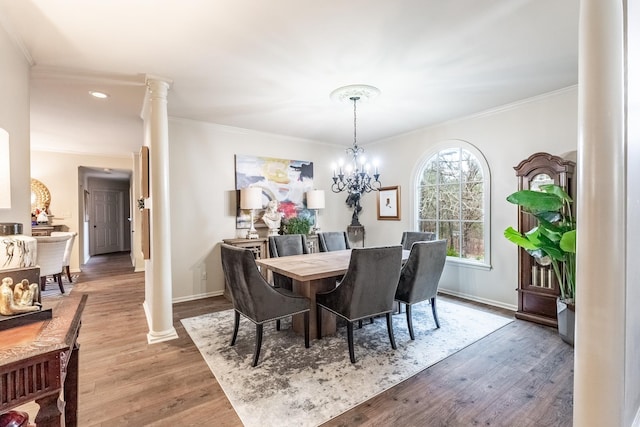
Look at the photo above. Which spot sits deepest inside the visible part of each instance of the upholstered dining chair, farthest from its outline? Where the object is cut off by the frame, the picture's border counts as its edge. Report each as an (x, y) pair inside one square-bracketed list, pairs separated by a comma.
[(67, 250), (366, 290), (255, 298), (420, 276), (286, 245), (410, 237), (50, 258), (333, 241)]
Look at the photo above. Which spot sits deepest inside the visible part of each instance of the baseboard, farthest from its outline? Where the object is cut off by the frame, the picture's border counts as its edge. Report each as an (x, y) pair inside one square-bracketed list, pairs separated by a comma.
[(198, 296), (480, 300)]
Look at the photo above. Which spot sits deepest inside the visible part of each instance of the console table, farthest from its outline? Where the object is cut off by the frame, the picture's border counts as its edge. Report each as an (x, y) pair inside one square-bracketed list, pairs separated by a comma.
[(39, 361), (45, 230)]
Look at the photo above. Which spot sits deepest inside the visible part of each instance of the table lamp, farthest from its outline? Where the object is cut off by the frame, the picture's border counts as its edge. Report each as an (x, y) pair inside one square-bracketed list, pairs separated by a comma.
[(315, 201), (251, 198)]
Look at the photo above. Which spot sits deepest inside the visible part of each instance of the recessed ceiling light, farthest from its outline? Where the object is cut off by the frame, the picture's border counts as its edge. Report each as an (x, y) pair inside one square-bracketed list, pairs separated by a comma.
[(98, 94)]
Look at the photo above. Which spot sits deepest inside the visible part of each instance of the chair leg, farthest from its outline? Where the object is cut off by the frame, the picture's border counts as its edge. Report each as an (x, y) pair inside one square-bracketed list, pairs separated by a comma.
[(68, 274), (390, 329), (306, 329), (236, 324), (43, 283), (319, 321), (350, 341), (58, 278), (278, 325), (410, 322), (434, 311), (256, 353), (360, 324)]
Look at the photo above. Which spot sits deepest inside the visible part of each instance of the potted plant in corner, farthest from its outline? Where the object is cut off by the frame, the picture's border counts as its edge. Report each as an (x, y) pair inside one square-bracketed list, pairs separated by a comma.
[(552, 241)]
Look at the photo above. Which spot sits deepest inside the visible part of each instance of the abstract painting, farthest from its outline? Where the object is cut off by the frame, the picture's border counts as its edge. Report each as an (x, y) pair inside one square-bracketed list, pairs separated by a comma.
[(285, 181)]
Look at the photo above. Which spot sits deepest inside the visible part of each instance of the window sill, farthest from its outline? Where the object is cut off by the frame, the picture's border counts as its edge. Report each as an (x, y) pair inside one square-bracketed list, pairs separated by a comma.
[(459, 262)]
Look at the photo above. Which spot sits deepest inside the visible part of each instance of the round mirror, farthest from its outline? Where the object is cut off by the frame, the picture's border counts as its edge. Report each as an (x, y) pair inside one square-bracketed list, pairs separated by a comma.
[(40, 196)]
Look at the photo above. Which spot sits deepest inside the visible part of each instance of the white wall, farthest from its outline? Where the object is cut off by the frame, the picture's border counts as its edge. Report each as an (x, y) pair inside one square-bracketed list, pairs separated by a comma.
[(505, 136), (203, 197), (14, 118), (59, 172)]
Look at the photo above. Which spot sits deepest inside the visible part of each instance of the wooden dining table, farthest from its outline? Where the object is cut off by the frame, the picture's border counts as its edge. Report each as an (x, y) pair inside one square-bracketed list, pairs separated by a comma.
[(313, 273)]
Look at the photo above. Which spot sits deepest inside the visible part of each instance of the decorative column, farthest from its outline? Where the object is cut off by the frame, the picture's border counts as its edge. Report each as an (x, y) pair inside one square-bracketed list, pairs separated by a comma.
[(158, 290), (601, 318)]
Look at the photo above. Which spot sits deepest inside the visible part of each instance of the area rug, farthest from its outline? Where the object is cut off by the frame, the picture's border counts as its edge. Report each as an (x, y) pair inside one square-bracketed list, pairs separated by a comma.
[(294, 386), (52, 290)]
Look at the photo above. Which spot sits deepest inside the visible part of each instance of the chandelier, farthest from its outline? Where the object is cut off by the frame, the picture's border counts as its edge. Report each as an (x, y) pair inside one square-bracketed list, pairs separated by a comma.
[(354, 177)]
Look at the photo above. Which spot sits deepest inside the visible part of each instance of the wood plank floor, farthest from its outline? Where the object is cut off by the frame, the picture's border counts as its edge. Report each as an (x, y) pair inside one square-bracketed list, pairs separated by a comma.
[(521, 375)]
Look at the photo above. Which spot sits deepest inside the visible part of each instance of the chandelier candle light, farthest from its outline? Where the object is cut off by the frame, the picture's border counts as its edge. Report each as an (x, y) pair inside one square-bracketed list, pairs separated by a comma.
[(354, 178), (251, 198), (315, 201)]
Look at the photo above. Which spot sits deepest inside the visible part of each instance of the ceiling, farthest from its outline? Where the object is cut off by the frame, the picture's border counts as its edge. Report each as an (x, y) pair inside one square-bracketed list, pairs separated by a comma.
[(271, 65)]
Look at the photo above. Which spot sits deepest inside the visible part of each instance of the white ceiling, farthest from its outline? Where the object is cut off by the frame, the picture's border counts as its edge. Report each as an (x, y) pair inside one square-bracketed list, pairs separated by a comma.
[(271, 65)]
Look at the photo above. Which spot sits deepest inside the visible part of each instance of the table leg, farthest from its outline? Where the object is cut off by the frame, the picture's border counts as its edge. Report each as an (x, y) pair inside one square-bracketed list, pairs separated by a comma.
[(71, 388), (309, 289), (50, 414)]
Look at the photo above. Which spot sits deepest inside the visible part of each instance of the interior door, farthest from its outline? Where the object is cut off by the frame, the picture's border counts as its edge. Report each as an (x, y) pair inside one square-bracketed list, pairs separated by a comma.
[(107, 222)]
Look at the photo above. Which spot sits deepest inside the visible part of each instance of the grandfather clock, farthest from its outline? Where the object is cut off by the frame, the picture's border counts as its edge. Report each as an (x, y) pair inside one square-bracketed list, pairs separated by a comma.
[(537, 284)]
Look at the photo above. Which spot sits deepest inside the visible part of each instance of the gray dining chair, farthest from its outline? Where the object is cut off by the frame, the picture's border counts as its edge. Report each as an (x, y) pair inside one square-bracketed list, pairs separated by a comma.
[(286, 245), (420, 276), (333, 241), (255, 298), (366, 290), (410, 237)]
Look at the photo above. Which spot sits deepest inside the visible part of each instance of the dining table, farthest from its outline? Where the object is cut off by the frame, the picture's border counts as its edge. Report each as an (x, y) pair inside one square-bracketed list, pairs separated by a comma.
[(313, 273)]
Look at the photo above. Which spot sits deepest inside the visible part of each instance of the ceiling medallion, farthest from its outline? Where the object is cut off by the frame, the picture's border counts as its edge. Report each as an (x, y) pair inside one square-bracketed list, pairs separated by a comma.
[(363, 93)]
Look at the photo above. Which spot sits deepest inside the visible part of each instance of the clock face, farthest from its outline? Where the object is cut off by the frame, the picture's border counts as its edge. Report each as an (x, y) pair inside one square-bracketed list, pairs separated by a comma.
[(540, 179), (545, 260)]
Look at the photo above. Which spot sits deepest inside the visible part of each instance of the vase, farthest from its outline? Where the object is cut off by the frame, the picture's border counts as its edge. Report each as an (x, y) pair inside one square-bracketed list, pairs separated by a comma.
[(566, 321)]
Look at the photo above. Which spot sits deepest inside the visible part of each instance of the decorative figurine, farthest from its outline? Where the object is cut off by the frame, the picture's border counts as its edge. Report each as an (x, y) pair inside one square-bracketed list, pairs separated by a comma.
[(22, 299), (272, 218)]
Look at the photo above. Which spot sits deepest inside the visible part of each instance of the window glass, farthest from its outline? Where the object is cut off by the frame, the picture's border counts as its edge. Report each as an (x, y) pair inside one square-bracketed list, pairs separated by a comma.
[(452, 200)]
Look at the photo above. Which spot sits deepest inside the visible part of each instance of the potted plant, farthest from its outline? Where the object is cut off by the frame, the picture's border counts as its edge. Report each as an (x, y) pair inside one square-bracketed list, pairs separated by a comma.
[(296, 225), (552, 241)]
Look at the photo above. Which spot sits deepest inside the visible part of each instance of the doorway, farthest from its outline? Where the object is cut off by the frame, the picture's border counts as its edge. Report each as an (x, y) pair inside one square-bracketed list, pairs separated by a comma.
[(105, 212)]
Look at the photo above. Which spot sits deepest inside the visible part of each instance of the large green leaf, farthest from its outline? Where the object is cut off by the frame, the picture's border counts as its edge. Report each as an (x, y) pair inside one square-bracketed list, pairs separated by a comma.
[(556, 190), (568, 241), (516, 237), (535, 201)]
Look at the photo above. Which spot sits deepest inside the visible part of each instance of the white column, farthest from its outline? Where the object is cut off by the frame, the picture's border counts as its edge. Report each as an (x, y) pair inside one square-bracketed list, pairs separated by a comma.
[(158, 291), (599, 382)]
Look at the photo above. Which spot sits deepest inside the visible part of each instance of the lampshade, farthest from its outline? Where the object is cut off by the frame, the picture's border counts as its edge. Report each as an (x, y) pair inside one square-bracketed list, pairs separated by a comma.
[(251, 198), (315, 199)]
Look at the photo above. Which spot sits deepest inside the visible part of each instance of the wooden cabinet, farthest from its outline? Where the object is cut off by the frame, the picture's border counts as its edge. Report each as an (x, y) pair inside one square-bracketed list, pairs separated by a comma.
[(39, 361), (257, 246), (537, 285)]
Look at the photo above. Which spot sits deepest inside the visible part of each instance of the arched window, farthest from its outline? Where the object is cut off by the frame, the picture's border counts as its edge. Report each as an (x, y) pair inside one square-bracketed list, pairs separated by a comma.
[(452, 200)]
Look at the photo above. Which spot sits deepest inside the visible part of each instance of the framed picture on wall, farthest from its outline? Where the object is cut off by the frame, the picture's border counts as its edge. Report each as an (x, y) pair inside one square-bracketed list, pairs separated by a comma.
[(144, 171), (283, 180), (389, 203)]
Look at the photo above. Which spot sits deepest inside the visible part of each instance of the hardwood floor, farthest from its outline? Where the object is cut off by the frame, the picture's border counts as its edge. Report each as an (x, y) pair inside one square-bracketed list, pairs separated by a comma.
[(521, 375)]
